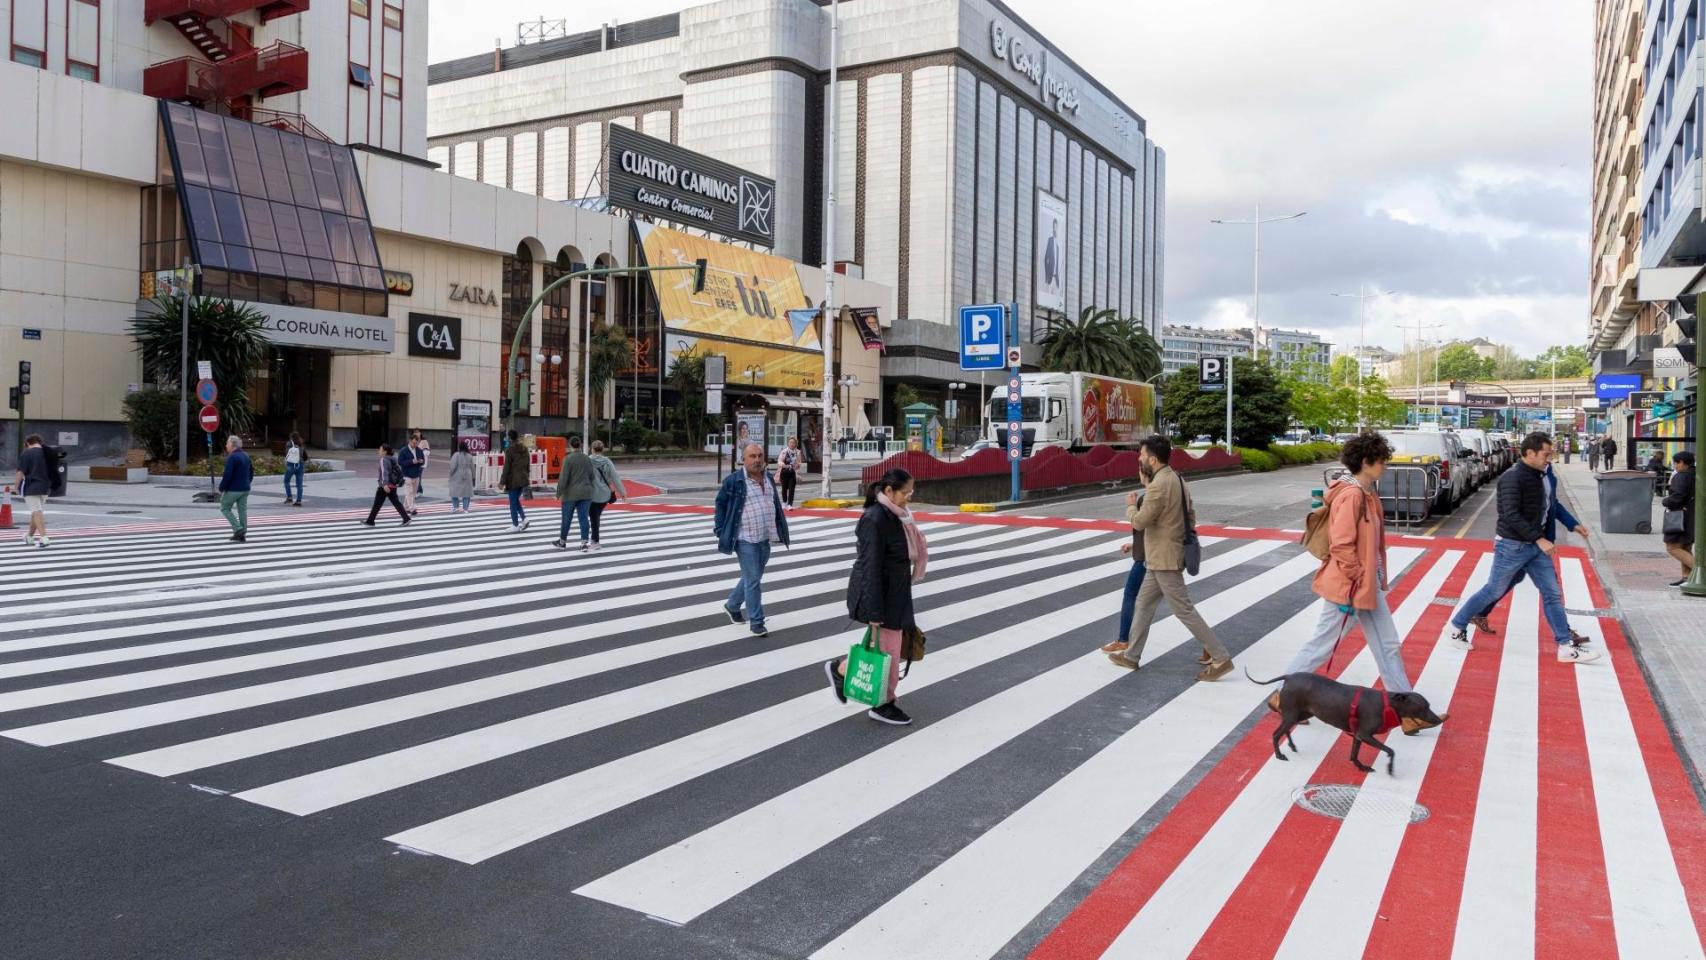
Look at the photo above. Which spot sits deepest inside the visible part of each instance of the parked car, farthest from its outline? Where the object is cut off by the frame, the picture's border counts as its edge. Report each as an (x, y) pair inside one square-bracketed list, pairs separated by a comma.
[(1477, 440), (1441, 449)]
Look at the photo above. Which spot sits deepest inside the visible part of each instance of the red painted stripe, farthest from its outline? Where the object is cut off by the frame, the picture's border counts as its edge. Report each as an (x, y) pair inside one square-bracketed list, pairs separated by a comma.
[(1254, 920), (1419, 908), (1679, 807), (1094, 924), (1572, 910)]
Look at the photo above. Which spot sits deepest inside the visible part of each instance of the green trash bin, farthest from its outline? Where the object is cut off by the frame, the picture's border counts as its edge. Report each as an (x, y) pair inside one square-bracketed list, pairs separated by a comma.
[(1625, 501)]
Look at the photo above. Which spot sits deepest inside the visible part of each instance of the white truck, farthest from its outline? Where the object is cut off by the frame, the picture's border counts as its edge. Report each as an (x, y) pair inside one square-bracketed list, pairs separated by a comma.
[(1076, 411)]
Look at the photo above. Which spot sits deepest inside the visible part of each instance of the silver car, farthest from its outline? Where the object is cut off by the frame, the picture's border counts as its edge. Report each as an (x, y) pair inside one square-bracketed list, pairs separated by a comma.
[(1445, 449)]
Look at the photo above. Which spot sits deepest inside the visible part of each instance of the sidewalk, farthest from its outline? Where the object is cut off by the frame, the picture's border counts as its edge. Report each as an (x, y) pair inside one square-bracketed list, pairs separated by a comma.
[(1664, 627)]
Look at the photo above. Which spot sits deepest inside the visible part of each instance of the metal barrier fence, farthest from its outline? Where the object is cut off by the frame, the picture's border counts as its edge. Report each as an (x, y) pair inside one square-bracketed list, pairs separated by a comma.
[(1408, 492)]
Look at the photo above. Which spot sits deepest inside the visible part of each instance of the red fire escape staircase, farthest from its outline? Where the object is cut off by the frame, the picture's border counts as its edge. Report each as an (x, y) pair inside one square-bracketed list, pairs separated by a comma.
[(230, 70)]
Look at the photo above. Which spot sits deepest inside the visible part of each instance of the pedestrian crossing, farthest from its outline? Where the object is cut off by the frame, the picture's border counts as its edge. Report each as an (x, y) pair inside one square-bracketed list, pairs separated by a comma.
[(593, 724)]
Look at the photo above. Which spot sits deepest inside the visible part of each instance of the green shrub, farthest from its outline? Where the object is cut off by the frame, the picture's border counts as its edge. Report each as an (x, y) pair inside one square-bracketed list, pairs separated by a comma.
[(680, 439), (152, 416), (1258, 461), (657, 440), (630, 435)]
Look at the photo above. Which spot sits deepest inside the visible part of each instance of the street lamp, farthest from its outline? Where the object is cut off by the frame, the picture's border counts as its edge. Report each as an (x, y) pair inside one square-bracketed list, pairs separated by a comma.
[(1256, 298), (754, 374), (846, 382), (1362, 339), (189, 274)]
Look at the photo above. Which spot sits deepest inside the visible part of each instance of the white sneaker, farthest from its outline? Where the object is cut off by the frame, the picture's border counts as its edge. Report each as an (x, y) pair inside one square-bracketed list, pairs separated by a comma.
[(1571, 654), (515, 528), (1460, 640), (29, 539), (596, 546), (523, 524), (584, 546), (43, 542)]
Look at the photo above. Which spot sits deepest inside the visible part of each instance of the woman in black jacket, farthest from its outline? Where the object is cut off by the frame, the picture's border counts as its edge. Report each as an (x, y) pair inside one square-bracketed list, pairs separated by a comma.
[(891, 557), (1681, 497)]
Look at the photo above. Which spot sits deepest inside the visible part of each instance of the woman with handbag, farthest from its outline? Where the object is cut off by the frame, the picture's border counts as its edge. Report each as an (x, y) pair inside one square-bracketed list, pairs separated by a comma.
[(461, 479), (891, 556), (1678, 523), (606, 488)]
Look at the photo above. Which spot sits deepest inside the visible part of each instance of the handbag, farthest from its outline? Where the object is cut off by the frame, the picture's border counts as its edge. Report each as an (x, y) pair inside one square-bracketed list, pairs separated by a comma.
[(1193, 547), (911, 648), (867, 672), (1675, 522)]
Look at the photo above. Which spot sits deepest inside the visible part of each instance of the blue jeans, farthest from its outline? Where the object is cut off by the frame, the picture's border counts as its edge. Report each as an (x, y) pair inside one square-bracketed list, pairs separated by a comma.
[(579, 509), (516, 514), (750, 590), (1128, 603), (293, 470), (1512, 559), (461, 503)]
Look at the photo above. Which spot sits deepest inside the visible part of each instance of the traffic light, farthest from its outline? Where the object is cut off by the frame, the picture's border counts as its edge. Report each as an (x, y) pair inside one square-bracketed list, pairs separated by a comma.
[(12, 397), (503, 409), (1688, 327), (699, 275), (23, 378)]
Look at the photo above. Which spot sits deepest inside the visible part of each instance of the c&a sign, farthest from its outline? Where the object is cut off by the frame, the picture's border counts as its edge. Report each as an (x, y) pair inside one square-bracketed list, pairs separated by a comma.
[(436, 337)]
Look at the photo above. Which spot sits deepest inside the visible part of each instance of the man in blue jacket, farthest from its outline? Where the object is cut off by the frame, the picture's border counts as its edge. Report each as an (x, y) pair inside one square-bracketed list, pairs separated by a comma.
[(234, 488), (1528, 514), (748, 520), (413, 461)]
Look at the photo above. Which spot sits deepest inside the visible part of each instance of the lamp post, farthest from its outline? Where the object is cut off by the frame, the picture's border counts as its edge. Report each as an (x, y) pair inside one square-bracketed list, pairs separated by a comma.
[(189, 273), (1256, 290), (953, 398), (1362, 338), (846, 382), (831, 153)]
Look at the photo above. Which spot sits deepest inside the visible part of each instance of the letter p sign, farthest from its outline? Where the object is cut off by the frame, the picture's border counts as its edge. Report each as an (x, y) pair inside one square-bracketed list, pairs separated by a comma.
[(983, 336)]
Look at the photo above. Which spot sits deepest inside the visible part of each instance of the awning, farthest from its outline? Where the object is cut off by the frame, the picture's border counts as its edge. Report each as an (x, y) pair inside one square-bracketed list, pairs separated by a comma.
[(791, 403)]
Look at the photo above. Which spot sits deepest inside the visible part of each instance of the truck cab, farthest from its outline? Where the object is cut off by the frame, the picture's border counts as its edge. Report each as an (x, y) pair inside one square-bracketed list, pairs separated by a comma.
[(1044, 408)]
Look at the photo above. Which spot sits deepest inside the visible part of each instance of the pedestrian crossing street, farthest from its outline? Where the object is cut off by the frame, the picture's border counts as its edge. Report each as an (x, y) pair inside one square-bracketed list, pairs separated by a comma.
[(594, 723)]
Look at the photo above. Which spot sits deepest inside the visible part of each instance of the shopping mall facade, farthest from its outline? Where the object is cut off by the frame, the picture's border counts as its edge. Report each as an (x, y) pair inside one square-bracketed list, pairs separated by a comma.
[(281, 150), (976, 162)]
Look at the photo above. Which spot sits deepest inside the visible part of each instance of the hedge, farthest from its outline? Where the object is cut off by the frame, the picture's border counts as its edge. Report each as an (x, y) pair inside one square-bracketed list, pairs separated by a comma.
[(1276, 456)]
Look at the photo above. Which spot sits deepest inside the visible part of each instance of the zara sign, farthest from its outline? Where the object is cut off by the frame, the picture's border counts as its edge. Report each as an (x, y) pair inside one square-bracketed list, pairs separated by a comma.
[(437, 337)]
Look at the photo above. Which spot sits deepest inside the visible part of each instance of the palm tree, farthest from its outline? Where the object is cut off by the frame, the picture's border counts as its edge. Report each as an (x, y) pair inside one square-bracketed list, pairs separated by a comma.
[(1097, 342), (607, 354), (1145, 351), (230, 336), (687, 378)]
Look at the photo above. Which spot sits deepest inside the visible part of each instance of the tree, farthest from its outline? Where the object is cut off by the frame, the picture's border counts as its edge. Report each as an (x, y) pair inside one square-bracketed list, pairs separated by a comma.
[(686, 377), (1145, 351), (229, 336), (1572, 362), (608, 352), (1378, 407), (1321, 399), (1260, 405), (1344, 370), (1459, 361), (904, 396), (1097, 342), (152, 416)]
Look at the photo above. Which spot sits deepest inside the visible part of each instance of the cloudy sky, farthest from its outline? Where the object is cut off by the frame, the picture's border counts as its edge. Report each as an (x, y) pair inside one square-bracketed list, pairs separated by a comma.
[(1442, 150)]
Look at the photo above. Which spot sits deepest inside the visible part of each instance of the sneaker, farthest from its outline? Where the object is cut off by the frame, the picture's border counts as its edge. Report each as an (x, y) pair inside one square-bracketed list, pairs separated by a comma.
[(1203, 659), (760, 630), (834, 680), (1678, 583), (1460, 639), (288, 501), (596, 546), (560, 544), (1215, 671), (734, 615), (1570, 653), (1482, 626), (407, 521), (1121, 660), (523, 524), (41, 544), (585, 547), (368, 523), (298, 503), (889, 713), (29, 539), (1577, 639)]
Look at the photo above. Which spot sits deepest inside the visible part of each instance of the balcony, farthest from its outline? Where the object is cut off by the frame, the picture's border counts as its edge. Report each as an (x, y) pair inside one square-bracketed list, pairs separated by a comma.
[(269, 71), (280, 8), (186, 79), (173, 10)]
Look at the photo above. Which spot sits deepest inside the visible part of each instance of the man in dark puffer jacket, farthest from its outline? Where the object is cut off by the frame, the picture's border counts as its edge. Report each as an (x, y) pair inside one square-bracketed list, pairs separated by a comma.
[(1525, 508)]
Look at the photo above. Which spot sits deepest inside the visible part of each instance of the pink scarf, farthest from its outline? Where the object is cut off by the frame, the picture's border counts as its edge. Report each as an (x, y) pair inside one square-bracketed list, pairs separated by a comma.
[(915, 546)]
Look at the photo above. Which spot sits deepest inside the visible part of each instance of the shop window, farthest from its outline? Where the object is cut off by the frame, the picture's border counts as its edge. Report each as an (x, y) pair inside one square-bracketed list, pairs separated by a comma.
[(83, 71), (360, 76), (28, 57), (393, 85)]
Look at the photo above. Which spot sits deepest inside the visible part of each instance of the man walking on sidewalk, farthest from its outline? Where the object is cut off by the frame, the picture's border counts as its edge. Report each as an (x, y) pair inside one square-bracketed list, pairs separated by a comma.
[(748, 519), (1608, 453), (234, 488), (1593, 454), (1525, 498), (1164, 520)]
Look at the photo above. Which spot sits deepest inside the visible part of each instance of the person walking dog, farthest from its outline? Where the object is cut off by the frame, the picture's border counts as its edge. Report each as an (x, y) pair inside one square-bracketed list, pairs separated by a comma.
[(1526, 496), (748, 519), (606, 487), (574, 489), (461, 482), (516, 480), (1679, 498), (1166, 521), (390, 477), (891, 555), (295, 464), (1352, 580), (234, 486), (787, 470)]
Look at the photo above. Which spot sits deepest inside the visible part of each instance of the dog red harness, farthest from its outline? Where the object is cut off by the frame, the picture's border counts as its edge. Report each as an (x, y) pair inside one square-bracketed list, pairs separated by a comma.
[(1388, 716)]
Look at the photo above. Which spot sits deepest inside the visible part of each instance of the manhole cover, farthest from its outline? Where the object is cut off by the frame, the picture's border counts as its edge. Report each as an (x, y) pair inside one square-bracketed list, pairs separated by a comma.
[(1336, 799), (1446, 601)]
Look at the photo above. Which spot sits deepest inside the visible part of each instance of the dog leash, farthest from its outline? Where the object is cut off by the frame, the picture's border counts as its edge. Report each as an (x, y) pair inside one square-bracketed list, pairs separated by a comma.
[(1344, 628), (1388, 716)]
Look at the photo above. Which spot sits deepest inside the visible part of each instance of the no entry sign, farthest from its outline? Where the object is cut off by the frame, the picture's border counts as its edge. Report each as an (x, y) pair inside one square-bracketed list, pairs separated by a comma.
[(209, 418)]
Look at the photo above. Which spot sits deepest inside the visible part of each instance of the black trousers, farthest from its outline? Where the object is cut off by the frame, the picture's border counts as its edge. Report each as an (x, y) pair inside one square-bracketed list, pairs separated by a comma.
[(789, 480), (593, 512), (379, 497)]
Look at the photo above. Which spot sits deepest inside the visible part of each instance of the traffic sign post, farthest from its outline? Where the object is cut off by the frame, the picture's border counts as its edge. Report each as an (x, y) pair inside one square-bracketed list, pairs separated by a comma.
[(1015, 413), (206, 391), (1214, 374), (209, 420), (983, 335)]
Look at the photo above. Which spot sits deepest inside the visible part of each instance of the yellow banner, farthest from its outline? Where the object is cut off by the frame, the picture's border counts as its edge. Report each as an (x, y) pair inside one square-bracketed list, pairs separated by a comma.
[(747, 294), (770, 368)]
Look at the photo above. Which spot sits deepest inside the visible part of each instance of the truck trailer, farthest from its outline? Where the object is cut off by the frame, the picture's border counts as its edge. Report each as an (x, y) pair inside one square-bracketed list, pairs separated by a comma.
[(1076, 411)]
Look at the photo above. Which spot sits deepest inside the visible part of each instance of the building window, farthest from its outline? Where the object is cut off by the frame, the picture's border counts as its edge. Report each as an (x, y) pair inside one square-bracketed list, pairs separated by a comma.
[(393, 86), (393, 17), (358, 8), (83, 71), (28, 57), (360, 76)]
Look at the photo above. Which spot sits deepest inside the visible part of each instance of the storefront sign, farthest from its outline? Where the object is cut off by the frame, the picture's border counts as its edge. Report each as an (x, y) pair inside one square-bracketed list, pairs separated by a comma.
[(1668, 363), (1030, 60), (1646, 399), (473, 421), (1051, 252), (431, 336), (399, 284), (1616, 386), (326, 329), (655, 177), (479, 295)]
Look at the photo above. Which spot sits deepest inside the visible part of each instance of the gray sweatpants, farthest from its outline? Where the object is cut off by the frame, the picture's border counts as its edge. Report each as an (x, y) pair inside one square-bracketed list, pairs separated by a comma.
[(1377, 628)]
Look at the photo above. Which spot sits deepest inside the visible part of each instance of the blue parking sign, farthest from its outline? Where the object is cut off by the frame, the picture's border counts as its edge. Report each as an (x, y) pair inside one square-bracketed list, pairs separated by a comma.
[(983, 337)]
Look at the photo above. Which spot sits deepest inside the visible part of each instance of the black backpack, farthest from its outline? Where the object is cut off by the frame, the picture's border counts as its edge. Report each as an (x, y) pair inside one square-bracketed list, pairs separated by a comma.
[(393, 472)]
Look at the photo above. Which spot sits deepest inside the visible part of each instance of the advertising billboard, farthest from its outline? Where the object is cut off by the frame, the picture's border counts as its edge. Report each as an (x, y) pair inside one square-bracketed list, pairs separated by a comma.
[(1116, 411), (1616, 386), (1050, 244), (742, 313), (657, 178)]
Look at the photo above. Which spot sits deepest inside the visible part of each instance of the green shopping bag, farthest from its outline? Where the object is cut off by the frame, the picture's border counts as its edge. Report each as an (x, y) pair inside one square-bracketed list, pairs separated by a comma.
[(867, 672)]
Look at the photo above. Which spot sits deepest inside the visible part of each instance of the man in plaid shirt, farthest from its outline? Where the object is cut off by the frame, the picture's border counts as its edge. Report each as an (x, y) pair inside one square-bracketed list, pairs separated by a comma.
[(748, 520)]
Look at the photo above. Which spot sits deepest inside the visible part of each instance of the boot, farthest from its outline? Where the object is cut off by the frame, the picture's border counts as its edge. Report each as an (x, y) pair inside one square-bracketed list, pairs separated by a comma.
[(1415, 725)]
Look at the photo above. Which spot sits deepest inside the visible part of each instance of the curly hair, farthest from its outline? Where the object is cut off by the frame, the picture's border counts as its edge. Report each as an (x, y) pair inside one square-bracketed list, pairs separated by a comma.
[(1364, 449)]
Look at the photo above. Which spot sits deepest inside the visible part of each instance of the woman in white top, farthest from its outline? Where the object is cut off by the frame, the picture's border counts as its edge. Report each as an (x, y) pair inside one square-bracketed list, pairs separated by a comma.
[(295, 463), (787, 470)]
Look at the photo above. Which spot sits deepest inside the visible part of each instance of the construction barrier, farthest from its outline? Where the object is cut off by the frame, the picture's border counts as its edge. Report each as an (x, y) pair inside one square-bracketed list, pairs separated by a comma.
[(489, 468)]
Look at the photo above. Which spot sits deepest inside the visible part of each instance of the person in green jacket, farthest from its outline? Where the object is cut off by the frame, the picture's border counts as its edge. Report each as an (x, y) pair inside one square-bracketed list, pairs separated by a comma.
[(574, 489)]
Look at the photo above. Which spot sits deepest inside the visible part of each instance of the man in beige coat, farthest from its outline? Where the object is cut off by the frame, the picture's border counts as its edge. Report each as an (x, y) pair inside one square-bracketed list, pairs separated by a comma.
[(1162, 520)]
